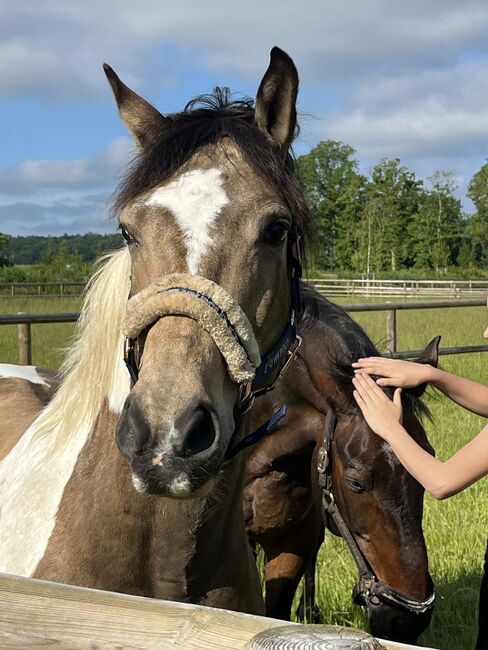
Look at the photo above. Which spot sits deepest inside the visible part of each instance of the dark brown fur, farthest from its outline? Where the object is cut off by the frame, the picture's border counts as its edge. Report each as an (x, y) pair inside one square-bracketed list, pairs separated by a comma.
[(282, 499)]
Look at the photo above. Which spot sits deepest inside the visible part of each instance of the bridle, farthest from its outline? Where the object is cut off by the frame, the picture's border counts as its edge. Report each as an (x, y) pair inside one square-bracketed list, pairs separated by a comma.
[(273, 364), (368, 591)]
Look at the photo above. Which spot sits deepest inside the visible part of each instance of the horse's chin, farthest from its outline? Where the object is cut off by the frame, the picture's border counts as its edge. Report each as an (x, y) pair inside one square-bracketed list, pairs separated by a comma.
[(179, 487)]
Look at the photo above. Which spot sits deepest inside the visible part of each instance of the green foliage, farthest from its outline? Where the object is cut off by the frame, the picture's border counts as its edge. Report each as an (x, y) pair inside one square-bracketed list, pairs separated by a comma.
[(32, 249), (390, 222), (335, 189)]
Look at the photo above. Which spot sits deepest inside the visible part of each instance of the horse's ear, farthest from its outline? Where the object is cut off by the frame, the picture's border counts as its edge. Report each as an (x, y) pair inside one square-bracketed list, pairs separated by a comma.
[(142, 119), (430, 356), (276, 113)]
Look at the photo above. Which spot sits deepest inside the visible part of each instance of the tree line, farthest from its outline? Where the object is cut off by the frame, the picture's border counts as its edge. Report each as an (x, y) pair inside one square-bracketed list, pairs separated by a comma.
[(391, 220)]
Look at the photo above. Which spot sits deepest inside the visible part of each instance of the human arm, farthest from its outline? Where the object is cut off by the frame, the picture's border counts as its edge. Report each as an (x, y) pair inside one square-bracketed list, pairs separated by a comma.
[(407, 374), (441, 479)]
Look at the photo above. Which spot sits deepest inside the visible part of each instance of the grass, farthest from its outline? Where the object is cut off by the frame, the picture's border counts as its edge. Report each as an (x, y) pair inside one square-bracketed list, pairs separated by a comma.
[(455, 529)]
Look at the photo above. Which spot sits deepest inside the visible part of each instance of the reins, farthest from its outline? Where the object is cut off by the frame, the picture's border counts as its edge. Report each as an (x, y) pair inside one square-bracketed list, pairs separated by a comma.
[(368, 589), (222, 317)]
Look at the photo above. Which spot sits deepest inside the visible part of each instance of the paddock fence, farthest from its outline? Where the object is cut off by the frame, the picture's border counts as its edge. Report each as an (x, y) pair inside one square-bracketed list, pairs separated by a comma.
[(36, 613), (366, 287), (24, 322), (401, 289)]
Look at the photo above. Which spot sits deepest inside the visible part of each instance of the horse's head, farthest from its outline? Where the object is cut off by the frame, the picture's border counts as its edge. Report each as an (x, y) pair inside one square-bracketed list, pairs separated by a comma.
[(381, 504), (209, 210)]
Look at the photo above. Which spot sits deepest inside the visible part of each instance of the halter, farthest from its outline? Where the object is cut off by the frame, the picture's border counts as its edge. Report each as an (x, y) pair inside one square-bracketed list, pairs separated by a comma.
[(221, 316), (368, 590)]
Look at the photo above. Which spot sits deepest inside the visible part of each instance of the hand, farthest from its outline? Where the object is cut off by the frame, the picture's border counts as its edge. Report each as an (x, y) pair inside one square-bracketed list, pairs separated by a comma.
[(394, 372), (381, 413)]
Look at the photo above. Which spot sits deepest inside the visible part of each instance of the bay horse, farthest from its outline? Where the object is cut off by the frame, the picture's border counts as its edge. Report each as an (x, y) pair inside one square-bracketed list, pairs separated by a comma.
[(378, 500), (123, 481)]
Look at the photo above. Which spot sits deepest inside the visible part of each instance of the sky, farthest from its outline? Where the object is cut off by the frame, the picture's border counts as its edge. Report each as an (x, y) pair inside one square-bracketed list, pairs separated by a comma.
[(392, 79)]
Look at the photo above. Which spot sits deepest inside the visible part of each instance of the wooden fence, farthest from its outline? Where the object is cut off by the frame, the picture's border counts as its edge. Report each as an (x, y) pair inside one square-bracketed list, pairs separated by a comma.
[(25, 321), (41, 614), (39, 289), (401, 289), (366, 287)]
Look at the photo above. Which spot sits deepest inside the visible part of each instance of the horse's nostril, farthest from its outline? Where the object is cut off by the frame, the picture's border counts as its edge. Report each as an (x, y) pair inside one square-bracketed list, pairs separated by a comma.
[(201, 433)]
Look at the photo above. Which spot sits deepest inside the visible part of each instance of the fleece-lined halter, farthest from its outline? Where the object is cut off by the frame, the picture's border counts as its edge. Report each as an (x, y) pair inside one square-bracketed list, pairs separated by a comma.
[(209, 304)]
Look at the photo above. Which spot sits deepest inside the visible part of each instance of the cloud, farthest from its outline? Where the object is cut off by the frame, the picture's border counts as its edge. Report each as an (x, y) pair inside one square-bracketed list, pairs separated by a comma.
[(54, 49), (38, 176), (398, 80), (58, 196)]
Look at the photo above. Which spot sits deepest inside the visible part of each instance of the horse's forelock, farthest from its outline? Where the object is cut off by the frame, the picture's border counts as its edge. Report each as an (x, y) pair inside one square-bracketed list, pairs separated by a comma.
[(347, 342), (207, 120)]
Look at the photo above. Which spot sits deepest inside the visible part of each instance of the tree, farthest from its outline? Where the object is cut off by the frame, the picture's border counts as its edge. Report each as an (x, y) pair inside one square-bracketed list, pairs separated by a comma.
[(4, 249), (437, 228), (392, 199), (335, 189), (478, 224)]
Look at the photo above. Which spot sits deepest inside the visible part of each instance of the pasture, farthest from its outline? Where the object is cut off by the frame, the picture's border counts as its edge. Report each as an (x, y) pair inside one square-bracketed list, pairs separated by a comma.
[(455, 529)]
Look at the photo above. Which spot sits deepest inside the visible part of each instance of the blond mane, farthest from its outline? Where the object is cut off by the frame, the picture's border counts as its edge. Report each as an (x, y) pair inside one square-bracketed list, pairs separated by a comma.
[(35, 472), (90, 371)]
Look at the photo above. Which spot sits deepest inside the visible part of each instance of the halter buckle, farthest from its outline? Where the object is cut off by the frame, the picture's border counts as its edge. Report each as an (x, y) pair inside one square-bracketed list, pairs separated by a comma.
[(292, 355), (322, 460)]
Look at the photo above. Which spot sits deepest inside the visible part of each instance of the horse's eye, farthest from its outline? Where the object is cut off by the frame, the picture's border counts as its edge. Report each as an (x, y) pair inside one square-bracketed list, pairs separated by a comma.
[(126, 235), (277, 232), (355, 484)]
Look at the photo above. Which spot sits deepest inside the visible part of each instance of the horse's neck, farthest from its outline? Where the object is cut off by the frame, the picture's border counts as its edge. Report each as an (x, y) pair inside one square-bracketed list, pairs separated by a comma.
[(109, 536)]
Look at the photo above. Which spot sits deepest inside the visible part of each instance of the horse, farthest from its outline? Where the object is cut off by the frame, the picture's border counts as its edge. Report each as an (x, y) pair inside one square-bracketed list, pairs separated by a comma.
[(125, 481), (282, 502), (24, 392), (379, 503)]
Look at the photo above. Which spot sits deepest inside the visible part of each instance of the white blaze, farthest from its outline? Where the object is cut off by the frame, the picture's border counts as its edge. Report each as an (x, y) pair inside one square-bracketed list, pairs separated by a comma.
[(195, 199)]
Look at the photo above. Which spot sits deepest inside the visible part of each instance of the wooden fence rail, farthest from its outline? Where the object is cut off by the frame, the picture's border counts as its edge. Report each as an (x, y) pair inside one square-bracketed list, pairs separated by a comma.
[(24, 322), (366, 287), (41, 614)]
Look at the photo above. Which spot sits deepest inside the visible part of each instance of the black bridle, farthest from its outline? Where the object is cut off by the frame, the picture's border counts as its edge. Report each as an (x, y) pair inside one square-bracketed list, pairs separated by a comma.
[(273, 364), (368, 589)]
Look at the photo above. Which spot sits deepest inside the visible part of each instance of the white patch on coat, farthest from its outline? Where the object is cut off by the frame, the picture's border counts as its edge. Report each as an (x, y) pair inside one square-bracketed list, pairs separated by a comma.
[(29, 373), (38, 491), (139, 484), (120, 388), (180, 486), (195, 199)]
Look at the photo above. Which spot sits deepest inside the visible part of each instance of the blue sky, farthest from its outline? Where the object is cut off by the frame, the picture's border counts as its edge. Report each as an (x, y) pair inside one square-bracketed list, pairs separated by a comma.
[(390, 78)]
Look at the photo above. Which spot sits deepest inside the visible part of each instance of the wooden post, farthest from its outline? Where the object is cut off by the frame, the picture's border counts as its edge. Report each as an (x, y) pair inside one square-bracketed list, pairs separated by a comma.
[(25, 343), (391, 330)]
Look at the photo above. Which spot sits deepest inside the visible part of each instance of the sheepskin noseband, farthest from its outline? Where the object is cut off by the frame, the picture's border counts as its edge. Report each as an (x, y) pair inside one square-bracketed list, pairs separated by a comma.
[(180, 294)]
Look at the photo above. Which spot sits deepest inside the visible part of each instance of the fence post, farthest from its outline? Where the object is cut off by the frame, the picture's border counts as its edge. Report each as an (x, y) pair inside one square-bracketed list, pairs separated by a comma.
[(25, 343), (391, 330)]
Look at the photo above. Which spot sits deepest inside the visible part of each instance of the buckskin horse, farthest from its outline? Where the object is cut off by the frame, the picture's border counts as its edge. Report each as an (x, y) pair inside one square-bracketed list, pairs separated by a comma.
[(205, 324), (323, 460)]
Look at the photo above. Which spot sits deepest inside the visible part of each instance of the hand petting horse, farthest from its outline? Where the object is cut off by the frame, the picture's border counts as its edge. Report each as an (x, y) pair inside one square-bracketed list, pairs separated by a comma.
[(323, 461), (200, 303)]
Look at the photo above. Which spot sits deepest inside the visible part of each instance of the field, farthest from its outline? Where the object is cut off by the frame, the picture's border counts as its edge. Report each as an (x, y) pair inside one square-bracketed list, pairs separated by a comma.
[(455, 529)]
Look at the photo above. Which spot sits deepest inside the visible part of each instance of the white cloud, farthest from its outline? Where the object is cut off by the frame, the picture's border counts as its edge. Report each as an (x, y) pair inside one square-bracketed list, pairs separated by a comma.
[(392, 79)]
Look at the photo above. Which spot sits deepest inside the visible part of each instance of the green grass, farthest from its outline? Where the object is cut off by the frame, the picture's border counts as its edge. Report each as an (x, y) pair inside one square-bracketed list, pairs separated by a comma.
[(455, 529), (49, 341)]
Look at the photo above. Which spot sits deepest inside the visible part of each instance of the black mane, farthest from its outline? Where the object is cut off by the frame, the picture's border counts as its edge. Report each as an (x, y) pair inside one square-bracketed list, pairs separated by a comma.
[(349, 342), (206, 120)]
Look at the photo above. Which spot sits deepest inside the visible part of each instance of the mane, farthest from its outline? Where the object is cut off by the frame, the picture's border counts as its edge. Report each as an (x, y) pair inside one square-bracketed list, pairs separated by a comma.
[(207, 119), (90, 372), (350, 342)]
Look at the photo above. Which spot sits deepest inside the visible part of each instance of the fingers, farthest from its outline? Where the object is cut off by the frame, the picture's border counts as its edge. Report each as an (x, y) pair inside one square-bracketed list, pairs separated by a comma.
[(397, 397), (367, 389)]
